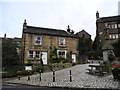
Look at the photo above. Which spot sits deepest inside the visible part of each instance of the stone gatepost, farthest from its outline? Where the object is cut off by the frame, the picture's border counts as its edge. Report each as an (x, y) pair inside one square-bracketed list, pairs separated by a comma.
[(107, 48)]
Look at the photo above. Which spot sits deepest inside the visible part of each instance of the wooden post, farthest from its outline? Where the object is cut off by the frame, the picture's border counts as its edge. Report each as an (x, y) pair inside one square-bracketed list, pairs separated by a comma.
[(53, 75), (70, 76)]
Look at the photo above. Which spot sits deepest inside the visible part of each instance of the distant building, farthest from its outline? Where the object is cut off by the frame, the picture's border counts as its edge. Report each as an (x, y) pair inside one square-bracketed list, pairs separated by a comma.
[(38, 42), (107, 28)]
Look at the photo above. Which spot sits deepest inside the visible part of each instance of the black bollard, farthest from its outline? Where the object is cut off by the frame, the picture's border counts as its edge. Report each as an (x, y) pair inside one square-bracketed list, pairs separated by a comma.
[(53, 76), (40, 74), (70, 76), (28, 77), (18, 77)]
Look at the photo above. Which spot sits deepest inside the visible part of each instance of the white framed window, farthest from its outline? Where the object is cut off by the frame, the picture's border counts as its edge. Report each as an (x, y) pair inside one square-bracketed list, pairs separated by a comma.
[(30, 54), (37, 53), (38, 40), (34, 54), (110, 36), (115, 25), (62, 41), (109, 26), (117, 35), (114, 36), (118, 25), (61, 53)]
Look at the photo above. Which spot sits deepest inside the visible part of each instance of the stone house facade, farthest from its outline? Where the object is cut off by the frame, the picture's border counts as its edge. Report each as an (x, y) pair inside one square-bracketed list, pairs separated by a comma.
[(107, 28), (38, 42)]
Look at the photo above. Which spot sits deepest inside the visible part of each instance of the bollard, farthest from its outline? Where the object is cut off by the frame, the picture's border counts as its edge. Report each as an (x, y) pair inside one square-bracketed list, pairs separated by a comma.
[(18, 77), (28, 77), (40, 74), (70, 76), (53, 76)]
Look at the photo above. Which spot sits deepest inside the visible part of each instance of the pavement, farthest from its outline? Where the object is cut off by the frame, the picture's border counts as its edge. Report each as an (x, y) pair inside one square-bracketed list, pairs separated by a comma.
[(80, 79)]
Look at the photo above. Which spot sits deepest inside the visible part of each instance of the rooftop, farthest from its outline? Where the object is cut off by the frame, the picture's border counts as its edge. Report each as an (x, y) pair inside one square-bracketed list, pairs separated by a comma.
[(46, 31), (109, 19)]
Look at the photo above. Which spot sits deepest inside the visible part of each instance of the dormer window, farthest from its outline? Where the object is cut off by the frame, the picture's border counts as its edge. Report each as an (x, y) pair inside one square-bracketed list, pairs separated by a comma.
[(38, 40), (62, 41)]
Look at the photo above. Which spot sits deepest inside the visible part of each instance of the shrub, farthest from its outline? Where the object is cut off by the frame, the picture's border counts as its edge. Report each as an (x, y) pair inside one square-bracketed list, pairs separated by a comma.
[(73, 64), (38, 68), (24, 72), (9, 74)]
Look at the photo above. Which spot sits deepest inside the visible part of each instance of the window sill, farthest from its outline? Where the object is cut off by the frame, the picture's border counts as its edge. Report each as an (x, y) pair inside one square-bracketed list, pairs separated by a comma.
[(63, 46)]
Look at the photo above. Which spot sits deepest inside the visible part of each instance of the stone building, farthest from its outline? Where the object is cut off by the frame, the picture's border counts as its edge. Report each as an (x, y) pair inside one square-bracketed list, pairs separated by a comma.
[(84, 45), (38, 42), (107, 28)]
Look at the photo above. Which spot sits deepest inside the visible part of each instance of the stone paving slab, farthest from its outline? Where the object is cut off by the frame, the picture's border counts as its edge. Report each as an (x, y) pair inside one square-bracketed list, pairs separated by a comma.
[(80, 79)]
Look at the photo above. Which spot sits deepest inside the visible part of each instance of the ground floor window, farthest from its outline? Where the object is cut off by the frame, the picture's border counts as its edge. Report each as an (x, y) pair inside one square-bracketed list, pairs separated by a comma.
[(61, 53), (34, 54)]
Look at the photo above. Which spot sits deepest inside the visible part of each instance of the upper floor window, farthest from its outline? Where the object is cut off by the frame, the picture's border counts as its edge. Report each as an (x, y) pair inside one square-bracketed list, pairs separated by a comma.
[(38, 40), (115, 25), (109, 26), (62, 41), (118, 25)]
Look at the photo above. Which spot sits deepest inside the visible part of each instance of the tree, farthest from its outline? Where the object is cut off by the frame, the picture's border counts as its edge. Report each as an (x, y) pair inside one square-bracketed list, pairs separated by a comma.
[(116, 46), (9, 54)]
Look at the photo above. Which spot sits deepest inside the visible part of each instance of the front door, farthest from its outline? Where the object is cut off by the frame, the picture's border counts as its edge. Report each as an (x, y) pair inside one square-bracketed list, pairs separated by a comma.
[(74, 58), (44, 58)]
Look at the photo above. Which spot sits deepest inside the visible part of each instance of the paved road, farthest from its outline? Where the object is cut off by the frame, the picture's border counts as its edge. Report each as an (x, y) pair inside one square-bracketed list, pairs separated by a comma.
[(80, 79)]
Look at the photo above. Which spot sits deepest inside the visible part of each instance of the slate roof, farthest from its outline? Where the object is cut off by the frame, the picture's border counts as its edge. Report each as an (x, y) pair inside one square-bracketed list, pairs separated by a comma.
[(82, 32), (107, 46), (109, 19), (46, 31)]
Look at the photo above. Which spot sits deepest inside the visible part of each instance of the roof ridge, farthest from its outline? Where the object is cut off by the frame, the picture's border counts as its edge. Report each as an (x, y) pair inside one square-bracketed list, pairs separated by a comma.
[(45, 28)]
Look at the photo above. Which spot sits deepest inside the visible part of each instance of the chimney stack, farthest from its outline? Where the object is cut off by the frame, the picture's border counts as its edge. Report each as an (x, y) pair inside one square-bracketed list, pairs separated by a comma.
[(97, 15), (68, 30), (24, 24)]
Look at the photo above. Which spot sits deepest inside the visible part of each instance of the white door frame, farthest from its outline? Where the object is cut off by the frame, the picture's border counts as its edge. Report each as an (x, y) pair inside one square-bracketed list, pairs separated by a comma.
[(44, 58), (73, 57)]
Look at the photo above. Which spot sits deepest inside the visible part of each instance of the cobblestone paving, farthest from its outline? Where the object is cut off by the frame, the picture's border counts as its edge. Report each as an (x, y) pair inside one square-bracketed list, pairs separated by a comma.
[(79, 79)]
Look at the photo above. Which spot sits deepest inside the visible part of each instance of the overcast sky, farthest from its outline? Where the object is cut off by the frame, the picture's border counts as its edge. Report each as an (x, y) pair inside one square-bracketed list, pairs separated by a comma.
[(57, 14)]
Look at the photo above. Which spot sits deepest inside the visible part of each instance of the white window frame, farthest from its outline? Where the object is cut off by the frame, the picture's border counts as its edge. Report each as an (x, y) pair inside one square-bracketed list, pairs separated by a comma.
[(35, 40), (110, 36), (115, 25), (62, 51), (63, 42), (109, 26), (118, 25), (34, 54), (29, 55), (39, 54)]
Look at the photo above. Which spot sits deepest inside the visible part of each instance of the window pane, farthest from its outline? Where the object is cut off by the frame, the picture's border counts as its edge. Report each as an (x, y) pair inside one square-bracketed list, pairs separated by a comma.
[(115, 25), (62, 41), (30, 53), (37, 40)]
